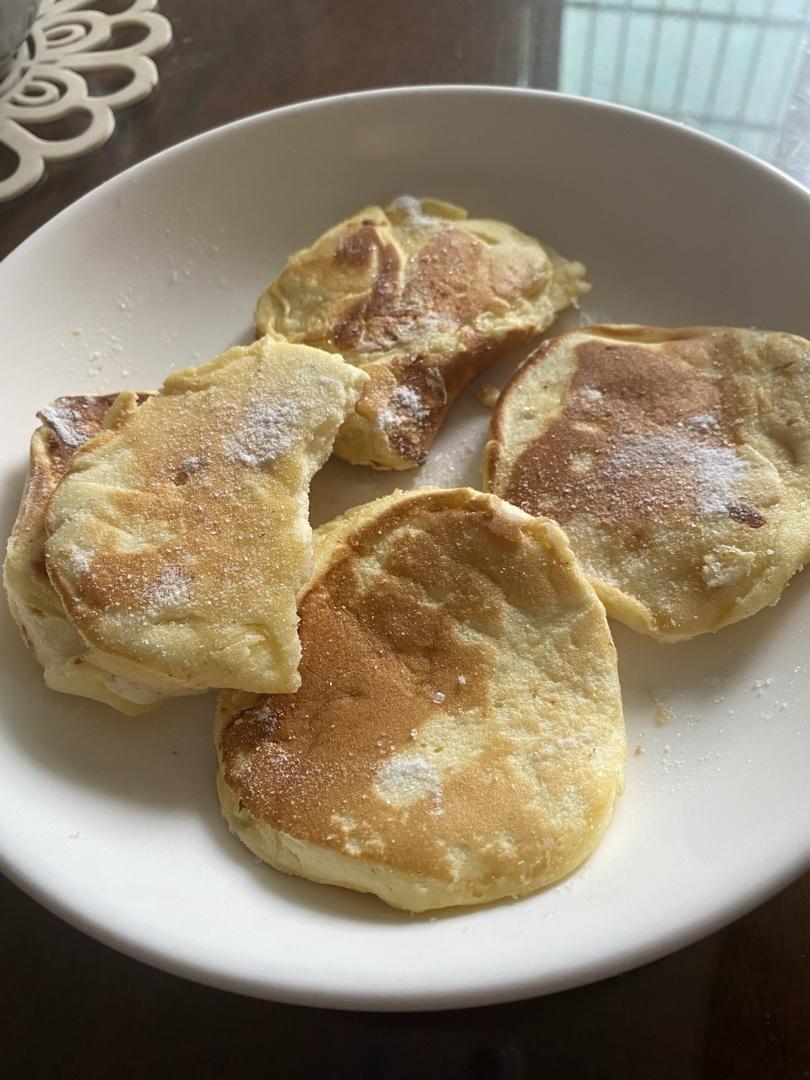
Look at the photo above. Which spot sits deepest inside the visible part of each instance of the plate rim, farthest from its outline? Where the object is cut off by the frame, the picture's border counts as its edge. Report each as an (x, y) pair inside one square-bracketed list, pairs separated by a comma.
[(456, 89), (350, 998), (339, 992)]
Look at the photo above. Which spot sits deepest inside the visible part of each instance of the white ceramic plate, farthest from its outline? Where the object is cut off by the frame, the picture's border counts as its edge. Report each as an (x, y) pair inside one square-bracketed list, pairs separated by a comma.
[(113, 823)]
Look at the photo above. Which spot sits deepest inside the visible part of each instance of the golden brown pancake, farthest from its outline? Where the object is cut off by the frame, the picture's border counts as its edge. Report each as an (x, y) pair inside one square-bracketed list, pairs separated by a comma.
[(179, 541), (423, 299), (458, 732), (676, 460), (67, 424)]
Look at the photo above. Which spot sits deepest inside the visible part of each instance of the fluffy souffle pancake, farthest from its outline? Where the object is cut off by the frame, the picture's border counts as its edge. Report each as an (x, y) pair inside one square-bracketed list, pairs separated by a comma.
[(423, 299), (67, 424), (676, 460), (179, 540), (458, 733)]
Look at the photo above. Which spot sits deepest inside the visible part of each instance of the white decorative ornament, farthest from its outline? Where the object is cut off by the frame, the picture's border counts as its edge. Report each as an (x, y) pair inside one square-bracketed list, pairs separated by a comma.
[(46, 82)]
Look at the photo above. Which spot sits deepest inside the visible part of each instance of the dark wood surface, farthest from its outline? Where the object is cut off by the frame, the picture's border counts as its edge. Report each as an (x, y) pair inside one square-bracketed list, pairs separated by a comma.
[(736, 1005)]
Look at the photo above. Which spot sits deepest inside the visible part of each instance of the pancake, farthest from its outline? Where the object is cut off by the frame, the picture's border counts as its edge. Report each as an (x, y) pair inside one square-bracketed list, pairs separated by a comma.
[(67, 423), (676, 460), (178, 542), (423, 299), (458, 732)]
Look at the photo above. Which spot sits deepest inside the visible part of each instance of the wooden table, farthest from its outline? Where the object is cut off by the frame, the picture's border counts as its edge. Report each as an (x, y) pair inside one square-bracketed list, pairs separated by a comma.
[(736, 1005)]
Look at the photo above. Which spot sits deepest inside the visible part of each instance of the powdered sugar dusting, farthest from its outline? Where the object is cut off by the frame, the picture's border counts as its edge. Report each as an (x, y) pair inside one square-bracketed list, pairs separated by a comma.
[(77, 561), (277, 769), (190, 466), (411, 209), (406, 399), (171, 588), (726, 564), (66, 423), (655, 459), (403, 781), (269, 429), (703, 422), (405, 407), (265, 713)]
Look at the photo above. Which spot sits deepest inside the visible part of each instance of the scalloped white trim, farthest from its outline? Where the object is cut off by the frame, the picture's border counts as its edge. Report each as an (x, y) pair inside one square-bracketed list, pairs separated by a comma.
[(46, 82)]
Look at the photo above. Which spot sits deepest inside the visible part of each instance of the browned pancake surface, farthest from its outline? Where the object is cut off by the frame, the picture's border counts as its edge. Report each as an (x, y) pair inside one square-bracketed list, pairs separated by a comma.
[(676, 460), (411, 740), (424, 299)]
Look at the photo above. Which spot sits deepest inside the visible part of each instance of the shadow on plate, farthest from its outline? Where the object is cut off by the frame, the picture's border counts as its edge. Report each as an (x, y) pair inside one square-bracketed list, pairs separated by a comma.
[(156, 760), (649, 670), (11, 491), (328, 900)]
